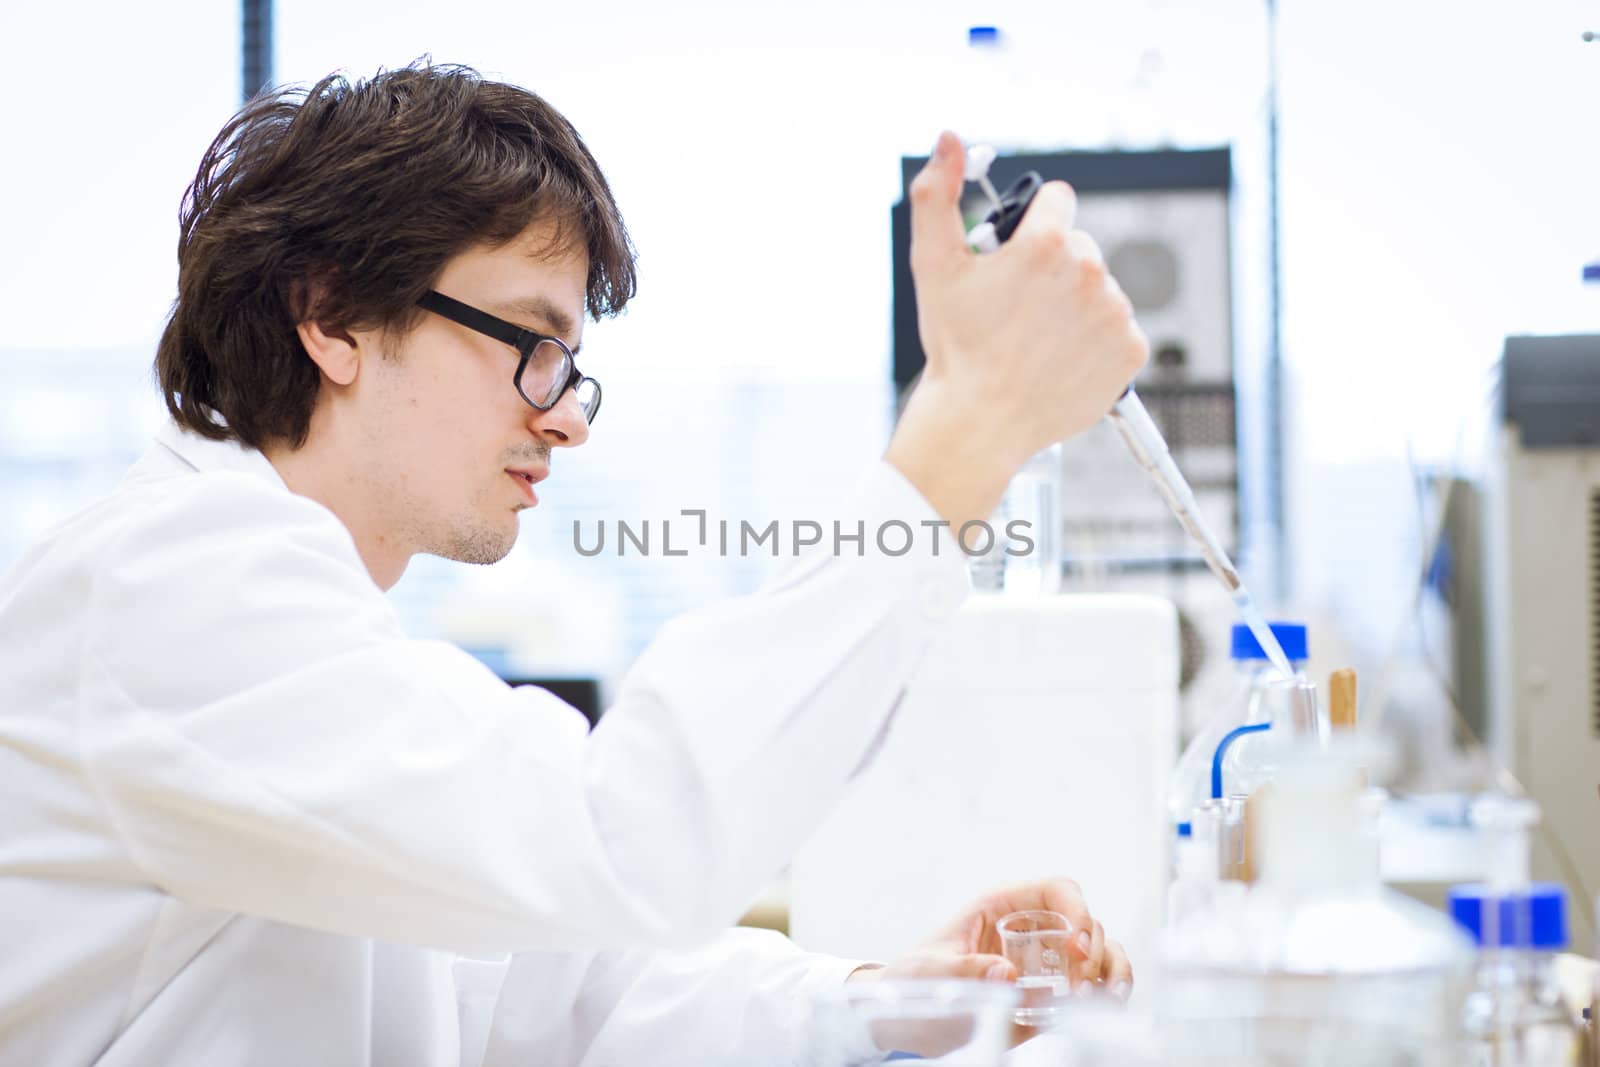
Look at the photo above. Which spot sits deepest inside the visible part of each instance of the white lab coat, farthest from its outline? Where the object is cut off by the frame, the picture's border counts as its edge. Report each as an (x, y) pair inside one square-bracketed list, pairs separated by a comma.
[(246, 820)]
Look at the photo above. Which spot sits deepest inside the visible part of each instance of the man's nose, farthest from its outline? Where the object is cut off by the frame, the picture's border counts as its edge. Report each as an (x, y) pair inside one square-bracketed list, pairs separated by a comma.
[(563, 426)]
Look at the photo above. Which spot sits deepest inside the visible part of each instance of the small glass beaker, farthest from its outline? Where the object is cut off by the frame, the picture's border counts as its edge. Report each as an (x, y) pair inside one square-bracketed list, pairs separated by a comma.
[(1037, 944)]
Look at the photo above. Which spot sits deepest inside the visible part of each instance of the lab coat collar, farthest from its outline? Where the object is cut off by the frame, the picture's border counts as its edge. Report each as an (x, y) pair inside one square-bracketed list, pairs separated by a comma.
[(204, 454)]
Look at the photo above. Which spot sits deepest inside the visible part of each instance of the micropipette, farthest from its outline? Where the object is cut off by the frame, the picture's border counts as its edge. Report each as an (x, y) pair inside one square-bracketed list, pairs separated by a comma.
[(1149, 448), (1128, 415)]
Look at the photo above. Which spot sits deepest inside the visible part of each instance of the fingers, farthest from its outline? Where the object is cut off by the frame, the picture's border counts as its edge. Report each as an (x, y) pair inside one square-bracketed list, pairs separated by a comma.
[(985, 967), (1054, 209), (1092, 967), (1084, 247), (938, 237), (976, 927), (1090, 265), (1118, 971), (1097, 959), (1058, 251), (1065, 896)]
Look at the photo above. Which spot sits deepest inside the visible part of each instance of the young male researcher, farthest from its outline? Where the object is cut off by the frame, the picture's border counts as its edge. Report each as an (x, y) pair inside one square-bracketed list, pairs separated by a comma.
[(248, 821)]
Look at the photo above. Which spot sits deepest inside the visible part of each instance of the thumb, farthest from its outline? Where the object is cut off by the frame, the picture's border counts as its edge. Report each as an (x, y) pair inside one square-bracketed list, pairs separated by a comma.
[(938, 237)]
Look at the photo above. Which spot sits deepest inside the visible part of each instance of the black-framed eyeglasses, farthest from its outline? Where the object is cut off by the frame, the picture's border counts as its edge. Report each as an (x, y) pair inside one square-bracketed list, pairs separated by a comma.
[(547, 369)]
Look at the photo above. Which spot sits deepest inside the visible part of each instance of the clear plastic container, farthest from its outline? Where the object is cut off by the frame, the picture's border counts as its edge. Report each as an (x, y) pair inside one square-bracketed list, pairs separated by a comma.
[(1191, 780), (1515, 1015), (1024, 553)]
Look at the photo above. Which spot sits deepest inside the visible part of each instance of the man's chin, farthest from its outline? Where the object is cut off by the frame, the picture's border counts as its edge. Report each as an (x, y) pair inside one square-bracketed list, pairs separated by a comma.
[(481, 546)]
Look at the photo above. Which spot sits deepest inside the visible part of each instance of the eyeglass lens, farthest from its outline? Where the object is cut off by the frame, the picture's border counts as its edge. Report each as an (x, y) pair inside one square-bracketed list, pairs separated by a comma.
[(588, 391), (545, 377)]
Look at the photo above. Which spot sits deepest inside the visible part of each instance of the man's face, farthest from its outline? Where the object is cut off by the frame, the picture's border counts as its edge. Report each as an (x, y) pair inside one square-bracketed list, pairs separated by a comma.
[(454, 447)]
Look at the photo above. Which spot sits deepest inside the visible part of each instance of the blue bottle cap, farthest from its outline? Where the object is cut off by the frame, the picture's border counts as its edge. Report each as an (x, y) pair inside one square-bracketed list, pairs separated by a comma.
[(983, 35), (1291, 635), (1533, 919), (1591, 272), (1186, 829)]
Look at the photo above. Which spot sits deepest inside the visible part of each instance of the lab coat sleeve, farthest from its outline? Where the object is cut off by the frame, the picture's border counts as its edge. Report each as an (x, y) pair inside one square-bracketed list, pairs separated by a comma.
[(265, 740), (747, 998)]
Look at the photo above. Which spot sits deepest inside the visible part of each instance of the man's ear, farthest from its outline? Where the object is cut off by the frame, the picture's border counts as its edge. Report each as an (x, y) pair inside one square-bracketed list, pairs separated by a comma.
[(334, 351)]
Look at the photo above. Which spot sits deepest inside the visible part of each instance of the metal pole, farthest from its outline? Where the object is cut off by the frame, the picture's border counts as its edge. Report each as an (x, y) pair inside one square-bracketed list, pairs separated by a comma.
[(1275, 473), (257, 47)]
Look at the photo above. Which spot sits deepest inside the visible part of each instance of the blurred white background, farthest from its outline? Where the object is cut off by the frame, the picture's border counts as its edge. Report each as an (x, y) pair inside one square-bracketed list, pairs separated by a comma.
[(1438, 192)]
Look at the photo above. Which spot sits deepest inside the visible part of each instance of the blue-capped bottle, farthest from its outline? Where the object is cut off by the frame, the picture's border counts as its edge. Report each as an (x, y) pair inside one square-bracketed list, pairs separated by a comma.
[(1244, 706), (1516, 1012)]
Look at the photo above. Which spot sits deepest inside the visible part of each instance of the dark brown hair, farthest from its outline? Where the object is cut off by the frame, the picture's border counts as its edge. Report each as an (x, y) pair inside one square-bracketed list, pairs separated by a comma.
[(356, 196)]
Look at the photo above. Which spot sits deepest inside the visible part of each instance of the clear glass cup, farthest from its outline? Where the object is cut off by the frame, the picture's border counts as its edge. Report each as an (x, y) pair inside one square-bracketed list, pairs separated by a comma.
[(952, 1022), (1037, 944)]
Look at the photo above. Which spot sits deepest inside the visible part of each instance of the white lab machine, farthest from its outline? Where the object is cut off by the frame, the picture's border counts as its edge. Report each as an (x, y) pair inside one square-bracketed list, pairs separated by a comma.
[(1037, 740), (1543, 606)]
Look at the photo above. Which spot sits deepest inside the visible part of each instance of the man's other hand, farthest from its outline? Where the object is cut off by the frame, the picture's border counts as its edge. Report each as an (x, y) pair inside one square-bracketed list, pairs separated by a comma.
[(968, 946)]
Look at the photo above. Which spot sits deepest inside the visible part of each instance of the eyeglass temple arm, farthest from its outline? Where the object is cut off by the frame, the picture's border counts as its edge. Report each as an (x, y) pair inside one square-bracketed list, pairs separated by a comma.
[(481, 321)]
